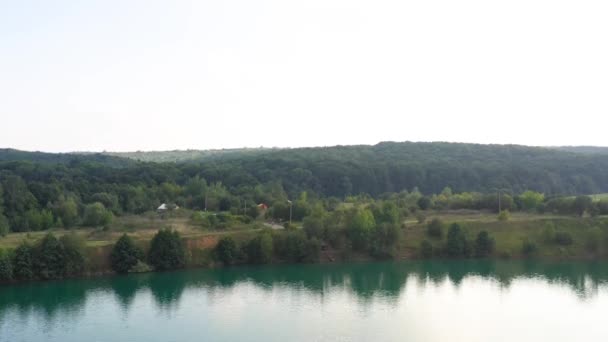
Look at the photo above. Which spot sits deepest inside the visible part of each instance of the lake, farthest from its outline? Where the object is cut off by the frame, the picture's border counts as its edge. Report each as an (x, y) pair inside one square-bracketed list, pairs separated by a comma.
[(388, 301)]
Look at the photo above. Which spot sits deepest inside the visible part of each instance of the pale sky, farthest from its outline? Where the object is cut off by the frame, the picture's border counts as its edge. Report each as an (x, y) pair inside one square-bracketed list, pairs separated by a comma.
[(159, 75)]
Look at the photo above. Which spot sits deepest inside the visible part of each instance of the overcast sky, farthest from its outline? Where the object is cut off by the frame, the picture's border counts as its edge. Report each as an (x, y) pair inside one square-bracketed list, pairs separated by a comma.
[(159, 75)]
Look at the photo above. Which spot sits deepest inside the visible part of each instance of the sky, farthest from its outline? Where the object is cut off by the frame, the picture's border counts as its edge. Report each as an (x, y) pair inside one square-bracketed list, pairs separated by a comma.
[(133, 75)]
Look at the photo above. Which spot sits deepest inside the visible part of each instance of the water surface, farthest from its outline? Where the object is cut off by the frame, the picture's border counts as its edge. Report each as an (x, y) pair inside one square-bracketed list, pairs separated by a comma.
[(405, 301)]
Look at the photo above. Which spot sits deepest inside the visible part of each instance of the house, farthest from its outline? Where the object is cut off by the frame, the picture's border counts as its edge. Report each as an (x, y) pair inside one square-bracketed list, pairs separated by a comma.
[(262, 207), (166, 207)]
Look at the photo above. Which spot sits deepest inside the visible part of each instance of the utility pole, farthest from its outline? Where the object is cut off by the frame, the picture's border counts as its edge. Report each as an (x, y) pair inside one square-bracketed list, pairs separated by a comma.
[(205, 201)]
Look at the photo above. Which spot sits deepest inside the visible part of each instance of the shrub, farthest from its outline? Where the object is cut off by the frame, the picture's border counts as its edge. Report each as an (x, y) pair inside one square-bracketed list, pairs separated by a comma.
[(504, 215), (593, 238), (435, 229), (167, 251), (421, 218), (227, 250), (426, 249), (125, 255), (563, 239)]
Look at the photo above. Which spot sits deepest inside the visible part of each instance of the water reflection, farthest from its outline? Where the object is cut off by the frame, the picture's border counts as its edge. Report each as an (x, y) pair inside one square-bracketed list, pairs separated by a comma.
[(65, 299)]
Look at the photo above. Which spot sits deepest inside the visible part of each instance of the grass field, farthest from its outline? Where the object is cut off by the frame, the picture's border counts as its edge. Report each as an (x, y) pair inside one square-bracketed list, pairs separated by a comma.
[(509, 235)]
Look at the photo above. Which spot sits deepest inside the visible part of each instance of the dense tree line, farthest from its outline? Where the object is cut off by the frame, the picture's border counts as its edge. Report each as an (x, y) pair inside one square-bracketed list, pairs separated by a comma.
[(39, 190), (49, 258)]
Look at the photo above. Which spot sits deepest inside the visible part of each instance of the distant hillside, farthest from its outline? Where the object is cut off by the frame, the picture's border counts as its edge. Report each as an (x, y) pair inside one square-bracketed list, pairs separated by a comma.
[(177, 156), (585, 149), (328, 171), (12, 155)]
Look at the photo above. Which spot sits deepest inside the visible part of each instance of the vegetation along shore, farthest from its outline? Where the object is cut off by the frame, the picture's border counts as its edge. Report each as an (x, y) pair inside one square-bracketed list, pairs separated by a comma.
[(90, 214)]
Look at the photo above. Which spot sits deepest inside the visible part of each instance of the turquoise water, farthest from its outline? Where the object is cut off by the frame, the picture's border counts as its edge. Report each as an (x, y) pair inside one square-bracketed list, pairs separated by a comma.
[(409, 301)]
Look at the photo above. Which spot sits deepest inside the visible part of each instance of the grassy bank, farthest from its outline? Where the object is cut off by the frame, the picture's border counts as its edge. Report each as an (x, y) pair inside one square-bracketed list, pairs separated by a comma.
[(588, 237)]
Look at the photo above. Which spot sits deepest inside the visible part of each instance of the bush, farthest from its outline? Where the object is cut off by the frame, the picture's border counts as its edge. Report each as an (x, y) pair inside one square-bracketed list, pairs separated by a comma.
[(167, 251), (426, 249), (125, 255), (484, 244), (421, 218), (227, 250), (504, 215), (563, 239), (435, 229), (593, 238)]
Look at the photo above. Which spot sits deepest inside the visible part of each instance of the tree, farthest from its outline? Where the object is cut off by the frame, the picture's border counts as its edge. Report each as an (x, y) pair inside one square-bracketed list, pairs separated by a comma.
[(97, 215), (260, 249), (456, 244), (66, 211), (167, 251), (23, 262), (484, 244), (361, 229), (426, 249), (563, 238), (424, 203), (227, 250), (125, 254), (6, 266), (531, 200), (4, 228), (49, 258), (504, 215), (435, 229), (582, 204), (74, 250)]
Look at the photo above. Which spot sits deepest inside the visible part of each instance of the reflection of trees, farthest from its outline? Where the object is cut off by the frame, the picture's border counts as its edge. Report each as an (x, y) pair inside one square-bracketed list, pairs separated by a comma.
[(58, 301)]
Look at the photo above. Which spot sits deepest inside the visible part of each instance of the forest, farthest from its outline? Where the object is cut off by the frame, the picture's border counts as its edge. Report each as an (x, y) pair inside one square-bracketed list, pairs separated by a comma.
[(42, 190)]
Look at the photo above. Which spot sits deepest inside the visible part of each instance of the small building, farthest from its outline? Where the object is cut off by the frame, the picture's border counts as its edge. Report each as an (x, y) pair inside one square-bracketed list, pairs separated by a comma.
[(166, 207), (262, 206)]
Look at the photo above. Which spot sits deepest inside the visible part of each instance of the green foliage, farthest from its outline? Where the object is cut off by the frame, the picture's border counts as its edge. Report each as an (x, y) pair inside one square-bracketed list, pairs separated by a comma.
[(74, 249), (50, 258), (484, 244), (548, 233), (259, 250), (421, 218), (434, 228), (424, 203), (563, 239), (4, 228), (6, 266), (66, 211), (23, 262), (385, 240), (426, 249), (456, 244), (582, 204), (593, 239), (531, 200), (362, 228), (167, 250), (96, 214), (529, 248), (504, 215), (125, 254), (227, 250), (314, 226)]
